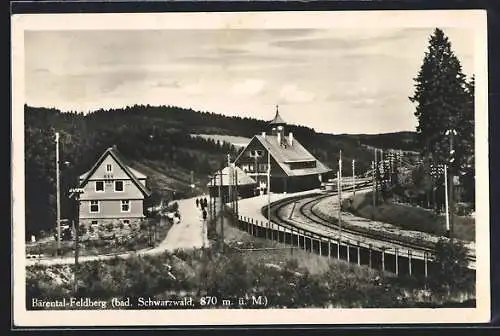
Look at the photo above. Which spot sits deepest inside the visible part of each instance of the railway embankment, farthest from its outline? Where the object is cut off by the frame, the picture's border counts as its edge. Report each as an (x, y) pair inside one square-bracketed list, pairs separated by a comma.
[(328, 209)]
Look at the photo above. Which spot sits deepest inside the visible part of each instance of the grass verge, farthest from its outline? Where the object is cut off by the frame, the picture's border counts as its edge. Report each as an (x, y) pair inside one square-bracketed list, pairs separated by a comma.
[(409, 217)]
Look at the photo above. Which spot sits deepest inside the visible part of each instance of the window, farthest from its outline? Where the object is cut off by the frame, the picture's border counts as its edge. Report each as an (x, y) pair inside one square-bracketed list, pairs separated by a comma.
[(118, 185), (109, 168), (125, 206), (126, 222), (94, 206), (99, 186), (94, 223)]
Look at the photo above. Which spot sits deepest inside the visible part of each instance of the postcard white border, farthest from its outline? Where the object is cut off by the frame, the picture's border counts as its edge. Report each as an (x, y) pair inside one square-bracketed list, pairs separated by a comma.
[(471, 19)]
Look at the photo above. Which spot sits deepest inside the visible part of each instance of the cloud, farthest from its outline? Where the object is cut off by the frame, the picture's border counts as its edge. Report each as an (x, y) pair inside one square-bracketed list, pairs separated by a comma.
[(290, 93), (348, 39), (249, 87), (167, 84), (259, 57)]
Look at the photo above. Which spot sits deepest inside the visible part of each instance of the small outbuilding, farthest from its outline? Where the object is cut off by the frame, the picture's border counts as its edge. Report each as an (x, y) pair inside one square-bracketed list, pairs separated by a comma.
[(233, 182)]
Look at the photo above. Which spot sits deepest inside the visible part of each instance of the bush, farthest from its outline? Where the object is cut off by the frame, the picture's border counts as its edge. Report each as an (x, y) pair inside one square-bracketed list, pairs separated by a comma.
[(450, 272)]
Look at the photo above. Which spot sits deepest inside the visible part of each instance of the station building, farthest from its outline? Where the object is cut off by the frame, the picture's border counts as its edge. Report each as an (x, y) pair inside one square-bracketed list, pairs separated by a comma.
[(293, 168)]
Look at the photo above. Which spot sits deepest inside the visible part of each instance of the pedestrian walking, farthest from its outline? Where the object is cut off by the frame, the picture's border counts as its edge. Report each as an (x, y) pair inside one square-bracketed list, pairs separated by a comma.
[(197, 202), (204, 214), (205, 202)]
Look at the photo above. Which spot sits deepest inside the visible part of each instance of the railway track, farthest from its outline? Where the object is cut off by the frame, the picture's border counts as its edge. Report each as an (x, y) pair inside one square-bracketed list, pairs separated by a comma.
[(330, 225)]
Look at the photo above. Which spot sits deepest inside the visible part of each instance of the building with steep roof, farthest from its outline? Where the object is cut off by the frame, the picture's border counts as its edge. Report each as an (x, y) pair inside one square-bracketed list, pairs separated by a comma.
[(113, 192), (293, 167), (232, 177)]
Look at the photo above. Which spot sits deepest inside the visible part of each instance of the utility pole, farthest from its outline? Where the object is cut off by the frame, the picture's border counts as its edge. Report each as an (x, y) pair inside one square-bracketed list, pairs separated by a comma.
[(340, 181), (230, 181), (374, 189), (237, 194), (375, 167), (58, 196), (76, 192), (221, 213), (353, 179), (446, 201), (451, 133), (268, 189), (339, 187)]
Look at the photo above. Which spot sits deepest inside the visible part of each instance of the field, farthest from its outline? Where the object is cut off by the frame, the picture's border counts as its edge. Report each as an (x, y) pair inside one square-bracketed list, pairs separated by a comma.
[(237, 141)]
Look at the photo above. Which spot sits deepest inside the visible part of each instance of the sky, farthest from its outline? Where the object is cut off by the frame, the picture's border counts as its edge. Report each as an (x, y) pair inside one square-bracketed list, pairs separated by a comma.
[(333, 80)]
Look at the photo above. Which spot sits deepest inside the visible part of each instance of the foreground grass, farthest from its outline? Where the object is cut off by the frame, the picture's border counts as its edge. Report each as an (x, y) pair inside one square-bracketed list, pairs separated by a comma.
[(285, 279), (410, 217)]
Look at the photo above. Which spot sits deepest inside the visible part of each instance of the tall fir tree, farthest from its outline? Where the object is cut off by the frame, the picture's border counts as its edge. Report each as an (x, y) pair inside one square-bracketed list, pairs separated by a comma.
[(441, 99)]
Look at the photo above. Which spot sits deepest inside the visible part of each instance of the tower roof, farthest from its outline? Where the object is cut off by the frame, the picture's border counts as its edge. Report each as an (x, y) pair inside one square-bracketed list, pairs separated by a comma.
[(277, 119)]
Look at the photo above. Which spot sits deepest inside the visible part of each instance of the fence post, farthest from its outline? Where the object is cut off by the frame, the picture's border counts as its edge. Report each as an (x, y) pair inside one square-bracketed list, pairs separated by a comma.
[(409, 262), (425, 264), (370, 255), (359, 255), (329, 248), (348, 254), (383, 258), (338, 249), (319, 247), (396, 250)]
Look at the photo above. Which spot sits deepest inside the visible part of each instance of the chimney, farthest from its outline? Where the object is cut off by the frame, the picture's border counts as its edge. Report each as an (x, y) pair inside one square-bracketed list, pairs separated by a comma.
[(264, 135), (290, 138), (279, 138)]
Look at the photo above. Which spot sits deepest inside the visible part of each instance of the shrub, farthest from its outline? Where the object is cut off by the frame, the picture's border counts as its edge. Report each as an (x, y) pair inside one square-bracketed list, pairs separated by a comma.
[(450, 273)]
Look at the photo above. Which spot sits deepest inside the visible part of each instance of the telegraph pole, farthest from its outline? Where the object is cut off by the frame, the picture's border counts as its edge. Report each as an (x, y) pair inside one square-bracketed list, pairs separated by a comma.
[(353, 179), (237, 195), (76, 192), (230, 181), (374, 189), (339, 187), (446, 201), (340, 180), (221, 213), (375, 168), (58, 196), (451, 133), (268, 189)]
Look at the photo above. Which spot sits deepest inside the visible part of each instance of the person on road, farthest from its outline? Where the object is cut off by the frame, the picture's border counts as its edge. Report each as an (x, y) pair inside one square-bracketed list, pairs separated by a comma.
[(177, 217), (205, 203), (204, 214), (197, 202)]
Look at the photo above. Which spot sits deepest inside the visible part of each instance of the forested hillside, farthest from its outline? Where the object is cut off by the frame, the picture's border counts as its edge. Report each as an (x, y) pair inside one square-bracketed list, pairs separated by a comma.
[(151, 138)]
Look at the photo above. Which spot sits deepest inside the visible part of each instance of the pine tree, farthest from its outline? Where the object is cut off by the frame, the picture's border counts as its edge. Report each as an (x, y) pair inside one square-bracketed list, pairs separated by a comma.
[(441, 97)]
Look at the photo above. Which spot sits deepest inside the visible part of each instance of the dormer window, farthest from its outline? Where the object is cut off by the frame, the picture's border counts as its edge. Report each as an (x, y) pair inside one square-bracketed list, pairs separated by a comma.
[(109, 168), (118, 185)]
